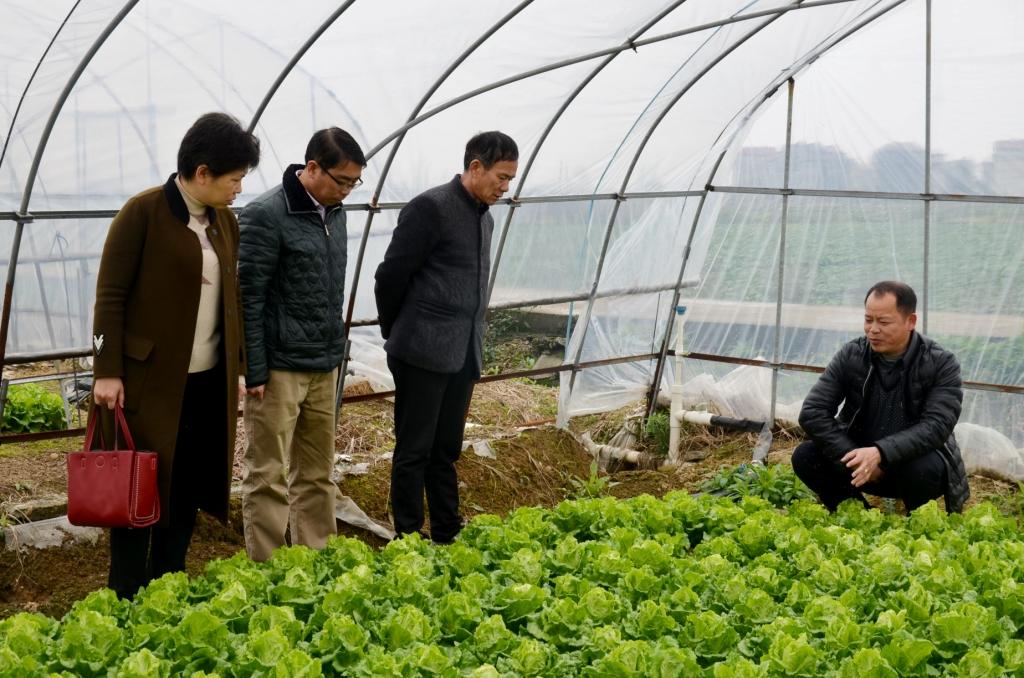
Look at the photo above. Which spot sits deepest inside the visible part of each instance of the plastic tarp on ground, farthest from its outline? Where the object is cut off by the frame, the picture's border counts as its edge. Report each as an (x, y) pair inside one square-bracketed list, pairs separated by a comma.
[(772, 158)]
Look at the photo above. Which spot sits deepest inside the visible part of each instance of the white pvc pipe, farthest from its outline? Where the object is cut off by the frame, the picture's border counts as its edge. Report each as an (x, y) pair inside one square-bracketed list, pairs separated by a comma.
[(677, 390), (604, 453), (694, 417)]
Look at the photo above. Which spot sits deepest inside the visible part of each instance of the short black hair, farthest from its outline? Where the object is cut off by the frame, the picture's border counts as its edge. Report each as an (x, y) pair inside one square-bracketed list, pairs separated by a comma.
[(332, 147), (906, 300), (218, 141), (489, 148)]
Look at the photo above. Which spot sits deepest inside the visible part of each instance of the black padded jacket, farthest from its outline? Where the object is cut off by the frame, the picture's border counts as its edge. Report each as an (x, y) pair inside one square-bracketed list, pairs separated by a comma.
[(291, 269), (933, 397), (431, 288)]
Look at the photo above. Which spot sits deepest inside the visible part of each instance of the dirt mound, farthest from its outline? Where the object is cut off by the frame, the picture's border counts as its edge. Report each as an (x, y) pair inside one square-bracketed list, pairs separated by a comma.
[(532, 468)]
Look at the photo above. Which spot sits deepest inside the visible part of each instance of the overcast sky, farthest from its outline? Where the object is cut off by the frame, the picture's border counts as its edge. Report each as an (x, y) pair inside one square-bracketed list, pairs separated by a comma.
[(870, 89)]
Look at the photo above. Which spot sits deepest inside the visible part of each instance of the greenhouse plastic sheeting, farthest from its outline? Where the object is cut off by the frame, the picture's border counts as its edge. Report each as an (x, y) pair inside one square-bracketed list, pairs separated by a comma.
[(770, 158)]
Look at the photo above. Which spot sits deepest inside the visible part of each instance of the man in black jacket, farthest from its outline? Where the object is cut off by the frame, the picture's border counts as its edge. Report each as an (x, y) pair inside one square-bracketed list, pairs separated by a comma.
[(431, 292), (894, 434), (291, 267)]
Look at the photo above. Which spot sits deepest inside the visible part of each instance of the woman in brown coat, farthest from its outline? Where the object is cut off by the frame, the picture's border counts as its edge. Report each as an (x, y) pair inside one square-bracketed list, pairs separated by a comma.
[(167, 340)]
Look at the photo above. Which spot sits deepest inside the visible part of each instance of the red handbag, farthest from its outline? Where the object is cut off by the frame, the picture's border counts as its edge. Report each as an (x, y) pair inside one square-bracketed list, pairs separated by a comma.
[(112, 488)]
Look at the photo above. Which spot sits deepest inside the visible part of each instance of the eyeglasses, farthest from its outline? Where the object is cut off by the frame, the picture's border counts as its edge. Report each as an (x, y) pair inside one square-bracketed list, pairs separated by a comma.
[(347, 184)]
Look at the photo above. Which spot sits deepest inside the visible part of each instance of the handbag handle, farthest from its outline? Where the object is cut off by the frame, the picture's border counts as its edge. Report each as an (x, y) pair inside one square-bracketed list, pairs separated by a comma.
[(119, 423)]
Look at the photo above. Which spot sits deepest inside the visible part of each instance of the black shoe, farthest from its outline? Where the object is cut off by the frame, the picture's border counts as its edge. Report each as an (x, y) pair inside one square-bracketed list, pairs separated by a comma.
[(422, 533), (445, 539)]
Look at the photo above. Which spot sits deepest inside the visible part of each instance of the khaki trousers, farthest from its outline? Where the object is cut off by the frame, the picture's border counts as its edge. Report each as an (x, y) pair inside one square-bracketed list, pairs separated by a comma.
[(289, 457)]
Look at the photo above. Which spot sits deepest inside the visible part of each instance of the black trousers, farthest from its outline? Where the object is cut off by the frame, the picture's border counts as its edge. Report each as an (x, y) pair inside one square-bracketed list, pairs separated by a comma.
[(916, 482), (430, 417), (139, 555)]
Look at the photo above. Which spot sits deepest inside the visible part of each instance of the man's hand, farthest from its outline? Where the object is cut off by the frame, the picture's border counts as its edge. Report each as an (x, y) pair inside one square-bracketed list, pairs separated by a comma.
[(257, 391), (108, 391), (864, 462)]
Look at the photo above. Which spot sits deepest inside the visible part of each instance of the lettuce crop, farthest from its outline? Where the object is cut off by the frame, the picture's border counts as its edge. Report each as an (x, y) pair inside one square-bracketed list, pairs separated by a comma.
[(684, 586)]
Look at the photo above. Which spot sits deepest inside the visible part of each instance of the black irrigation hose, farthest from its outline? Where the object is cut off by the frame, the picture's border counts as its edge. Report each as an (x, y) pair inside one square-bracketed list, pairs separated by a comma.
[(738, 424)]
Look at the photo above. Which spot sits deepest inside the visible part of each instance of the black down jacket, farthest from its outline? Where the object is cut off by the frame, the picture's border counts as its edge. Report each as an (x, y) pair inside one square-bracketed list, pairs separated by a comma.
[(933, 398), (291, 266)]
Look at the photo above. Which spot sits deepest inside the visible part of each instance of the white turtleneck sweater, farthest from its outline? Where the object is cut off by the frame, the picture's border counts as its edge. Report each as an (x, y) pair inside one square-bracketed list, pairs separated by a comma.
[(206, 342)]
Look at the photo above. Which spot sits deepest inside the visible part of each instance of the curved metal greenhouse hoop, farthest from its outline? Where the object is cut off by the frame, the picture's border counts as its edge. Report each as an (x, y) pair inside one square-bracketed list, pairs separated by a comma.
[(63, 97), (101, 82), (290, 66), (587, 57), (37, 158), (364, 238), (295, 60), (757, 102), (588, 311), (611, 160), (400, 132), (401, 137), (594, 55), (28, 84), (551, 125)]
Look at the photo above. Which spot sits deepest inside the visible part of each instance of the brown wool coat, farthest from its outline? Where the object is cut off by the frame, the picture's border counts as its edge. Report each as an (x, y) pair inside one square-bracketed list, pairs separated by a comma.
[(147, 298)]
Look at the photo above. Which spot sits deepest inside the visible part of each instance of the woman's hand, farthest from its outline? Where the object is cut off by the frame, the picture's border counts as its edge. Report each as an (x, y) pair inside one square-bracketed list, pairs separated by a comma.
[(108, 391)]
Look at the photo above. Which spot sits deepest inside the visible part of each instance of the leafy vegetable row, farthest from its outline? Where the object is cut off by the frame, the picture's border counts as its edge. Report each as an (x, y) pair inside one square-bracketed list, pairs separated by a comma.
[(599, 587)]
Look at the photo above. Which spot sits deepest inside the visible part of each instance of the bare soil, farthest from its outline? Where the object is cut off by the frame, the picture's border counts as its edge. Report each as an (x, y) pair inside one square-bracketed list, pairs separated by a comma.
[(25, 477)]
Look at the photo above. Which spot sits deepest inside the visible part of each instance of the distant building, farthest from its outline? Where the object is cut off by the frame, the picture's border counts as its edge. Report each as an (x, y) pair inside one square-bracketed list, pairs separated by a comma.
[(895, 167), (814, 165), (1005, 174), (898, 167), (955, 176), (760, 166)]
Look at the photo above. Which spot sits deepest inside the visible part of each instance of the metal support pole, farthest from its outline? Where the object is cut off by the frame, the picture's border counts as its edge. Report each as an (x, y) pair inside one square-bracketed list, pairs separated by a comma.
[(780, 293), (927, 163), (45, 305), (5, 318), (659, 368)]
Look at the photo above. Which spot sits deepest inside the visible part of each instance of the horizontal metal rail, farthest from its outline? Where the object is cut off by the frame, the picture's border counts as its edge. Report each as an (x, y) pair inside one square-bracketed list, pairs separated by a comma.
[(44, 356), (551, 301), (577, 197), (25, 358), (882, 195), (40, 435), (651, 195), (797, 367), (47, 215), (547, 371), (520, 374), (380, 395), (53, 259), (602, 294)]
